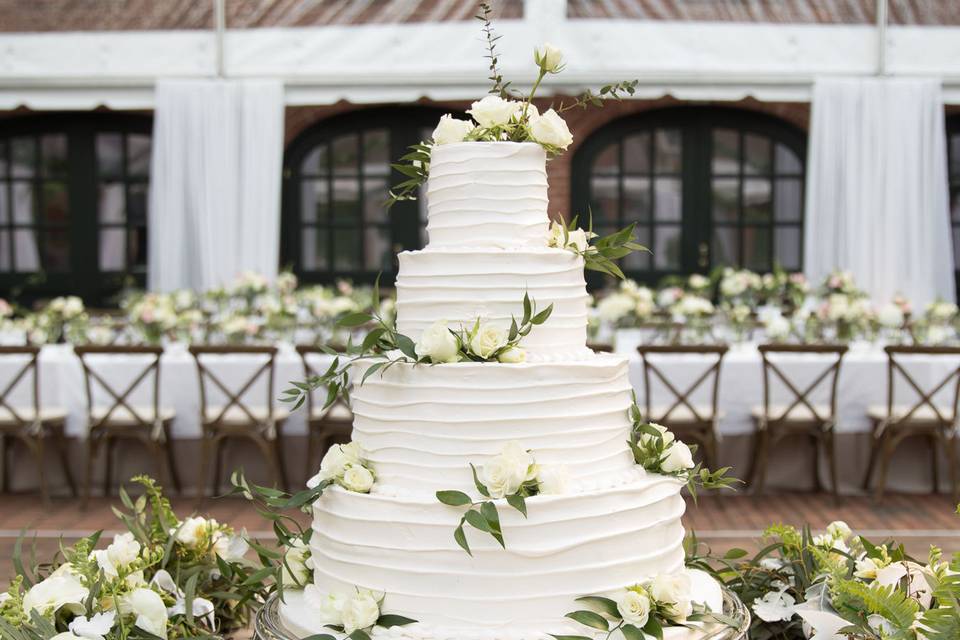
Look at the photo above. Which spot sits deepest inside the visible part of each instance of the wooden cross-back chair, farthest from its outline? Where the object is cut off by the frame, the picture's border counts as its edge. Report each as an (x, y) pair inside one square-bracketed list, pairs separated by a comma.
[(801, 416), (30, 425), (122, 419), (925, 418), (689, 421), (335, 421), (238, 418)]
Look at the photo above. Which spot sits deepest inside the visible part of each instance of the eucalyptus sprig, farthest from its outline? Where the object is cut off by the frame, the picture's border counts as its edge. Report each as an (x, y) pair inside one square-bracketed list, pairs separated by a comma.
[(482, 515), (653, 445), (598, 253), (588, 98), (498, 86)]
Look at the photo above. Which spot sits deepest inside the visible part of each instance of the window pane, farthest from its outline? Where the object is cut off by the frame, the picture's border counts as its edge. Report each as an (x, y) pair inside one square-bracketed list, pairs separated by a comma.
[(315, 162), (57, 248), (607, 162), (345, 154), (346, 205), (636, 200), (666, 248), (5, 263), (376, 152), (346, 249), (4, 203), (668, 197), (137, 203), (756, 154), (726, 246), (638, 260), (374, 197), (313, 252), (109, 155), (667, 150), (604, 200), (377, 249), (54, 155), (55, 207), (955, 204), (787, 247), (788, 199), (756, 248), (138, 155), (725, 199), (25, 250), (787, 161), (24, 157), (636, 153), (756, 200), (137, 247), (23, 205), (956, 247), (3, 158), (726, 151), (111, 204), (313, 200), (113, 249)]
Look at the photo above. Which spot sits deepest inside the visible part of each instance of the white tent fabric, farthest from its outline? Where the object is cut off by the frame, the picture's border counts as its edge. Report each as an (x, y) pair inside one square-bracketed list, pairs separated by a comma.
[(877, 201), (215, 194)]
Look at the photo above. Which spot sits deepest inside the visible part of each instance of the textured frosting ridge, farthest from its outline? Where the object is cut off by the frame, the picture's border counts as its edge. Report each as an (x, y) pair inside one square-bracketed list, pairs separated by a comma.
[(422, 426), (458, 285), (487, 194)]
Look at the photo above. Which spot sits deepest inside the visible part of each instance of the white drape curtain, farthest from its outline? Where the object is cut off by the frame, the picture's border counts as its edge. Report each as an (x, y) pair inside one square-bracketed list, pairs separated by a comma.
[(215, 181), (877, 200)]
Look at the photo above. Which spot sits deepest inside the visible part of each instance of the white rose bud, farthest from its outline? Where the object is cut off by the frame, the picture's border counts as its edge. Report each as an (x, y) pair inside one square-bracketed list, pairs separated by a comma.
[(438, 344), (487, 340), (578, 240), (451, 130), (551, 129), (359, 612), (673, 591), (513, 355), (494, 110), (677, 457), (296, 573), (549, 58), (358, 479), (634, 607)]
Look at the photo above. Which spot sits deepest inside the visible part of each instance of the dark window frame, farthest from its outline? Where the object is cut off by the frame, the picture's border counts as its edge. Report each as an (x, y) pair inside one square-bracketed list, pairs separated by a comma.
[(404, 124), (953, 190), (696, 124), (82, 275)]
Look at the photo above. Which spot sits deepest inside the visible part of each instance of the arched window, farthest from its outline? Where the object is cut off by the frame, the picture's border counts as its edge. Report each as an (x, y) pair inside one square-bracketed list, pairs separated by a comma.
[(73, 204), (336, 179), (707, 186), (953, 173)]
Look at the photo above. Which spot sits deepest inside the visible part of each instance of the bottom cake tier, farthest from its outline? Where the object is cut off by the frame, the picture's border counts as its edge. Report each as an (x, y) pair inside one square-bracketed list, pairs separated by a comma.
[(588, 543)]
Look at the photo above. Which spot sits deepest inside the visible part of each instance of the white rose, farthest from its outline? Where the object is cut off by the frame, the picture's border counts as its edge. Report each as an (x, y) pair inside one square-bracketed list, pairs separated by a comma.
[(673, 591), (296, 573), (554, 479), (229, 547), (61, 590), (494, 110), (677, 457), (550, 128), (487, 340), (358, 479), (438, 344), (549, 58), (634, 607), (513, 355), (578, 240), (504, 474), (336, 460), (150, 614), (93, 628), (839, 530), (666, 435), (698, 281), (328, 605), (192, 530), (451, 130), (360, 612)]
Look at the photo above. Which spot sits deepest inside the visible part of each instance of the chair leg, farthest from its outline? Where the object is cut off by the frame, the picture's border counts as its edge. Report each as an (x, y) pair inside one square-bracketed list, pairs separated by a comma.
[(830, 446), (950, 445), (218, 447), (710, 449), (761, 462), (171, 463), (92, 446), (872, 460), (60, 441), (108, 445), (886, 452), (4, 475), (205, 442), (815, 462), (35, 446), (934, 440)]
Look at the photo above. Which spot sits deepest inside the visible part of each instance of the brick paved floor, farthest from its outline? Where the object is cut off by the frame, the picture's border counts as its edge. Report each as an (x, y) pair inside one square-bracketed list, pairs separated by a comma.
[(722, 522)]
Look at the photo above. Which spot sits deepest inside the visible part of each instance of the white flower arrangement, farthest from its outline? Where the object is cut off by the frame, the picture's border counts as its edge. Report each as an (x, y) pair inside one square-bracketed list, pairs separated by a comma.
[(343, 465), (354, 614)]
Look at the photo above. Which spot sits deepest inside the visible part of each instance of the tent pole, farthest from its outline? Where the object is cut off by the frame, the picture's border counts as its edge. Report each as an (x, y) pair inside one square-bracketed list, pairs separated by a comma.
[(220, 25), (882, 7)]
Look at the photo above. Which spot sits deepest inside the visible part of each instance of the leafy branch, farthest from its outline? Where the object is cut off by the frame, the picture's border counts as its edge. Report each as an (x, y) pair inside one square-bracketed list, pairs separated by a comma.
[(598, 253), (415, 166), (588, 98), (499, 87)]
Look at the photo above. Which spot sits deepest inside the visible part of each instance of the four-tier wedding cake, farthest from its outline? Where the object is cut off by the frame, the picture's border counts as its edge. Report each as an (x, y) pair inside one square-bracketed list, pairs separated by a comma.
[(596, 523)]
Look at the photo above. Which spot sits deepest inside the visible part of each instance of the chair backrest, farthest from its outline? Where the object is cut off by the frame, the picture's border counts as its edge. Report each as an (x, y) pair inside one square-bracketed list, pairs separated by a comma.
[(801, 398), (120, 404), (25, 368), (234, 394), (682, 399), (897, 357)]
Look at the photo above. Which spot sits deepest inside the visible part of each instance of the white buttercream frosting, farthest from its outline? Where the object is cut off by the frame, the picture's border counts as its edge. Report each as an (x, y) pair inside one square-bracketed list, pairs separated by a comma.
[(458, 285), (422, 426), (487, 194)]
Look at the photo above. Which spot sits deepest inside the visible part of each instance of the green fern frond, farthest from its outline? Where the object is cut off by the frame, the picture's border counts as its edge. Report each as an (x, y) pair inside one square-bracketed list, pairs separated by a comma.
[(889, 602)]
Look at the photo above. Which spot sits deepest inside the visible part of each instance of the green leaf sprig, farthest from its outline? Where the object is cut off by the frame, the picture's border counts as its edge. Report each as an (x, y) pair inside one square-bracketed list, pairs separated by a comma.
[(605, 616), (601, 253)]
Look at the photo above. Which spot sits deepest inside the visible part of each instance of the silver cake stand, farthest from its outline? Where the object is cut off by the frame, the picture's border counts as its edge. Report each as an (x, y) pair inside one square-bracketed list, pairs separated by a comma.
[(269, 627)]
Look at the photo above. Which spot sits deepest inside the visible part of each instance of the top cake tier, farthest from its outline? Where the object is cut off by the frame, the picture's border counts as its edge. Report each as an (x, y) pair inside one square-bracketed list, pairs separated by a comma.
[(487, 194)]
